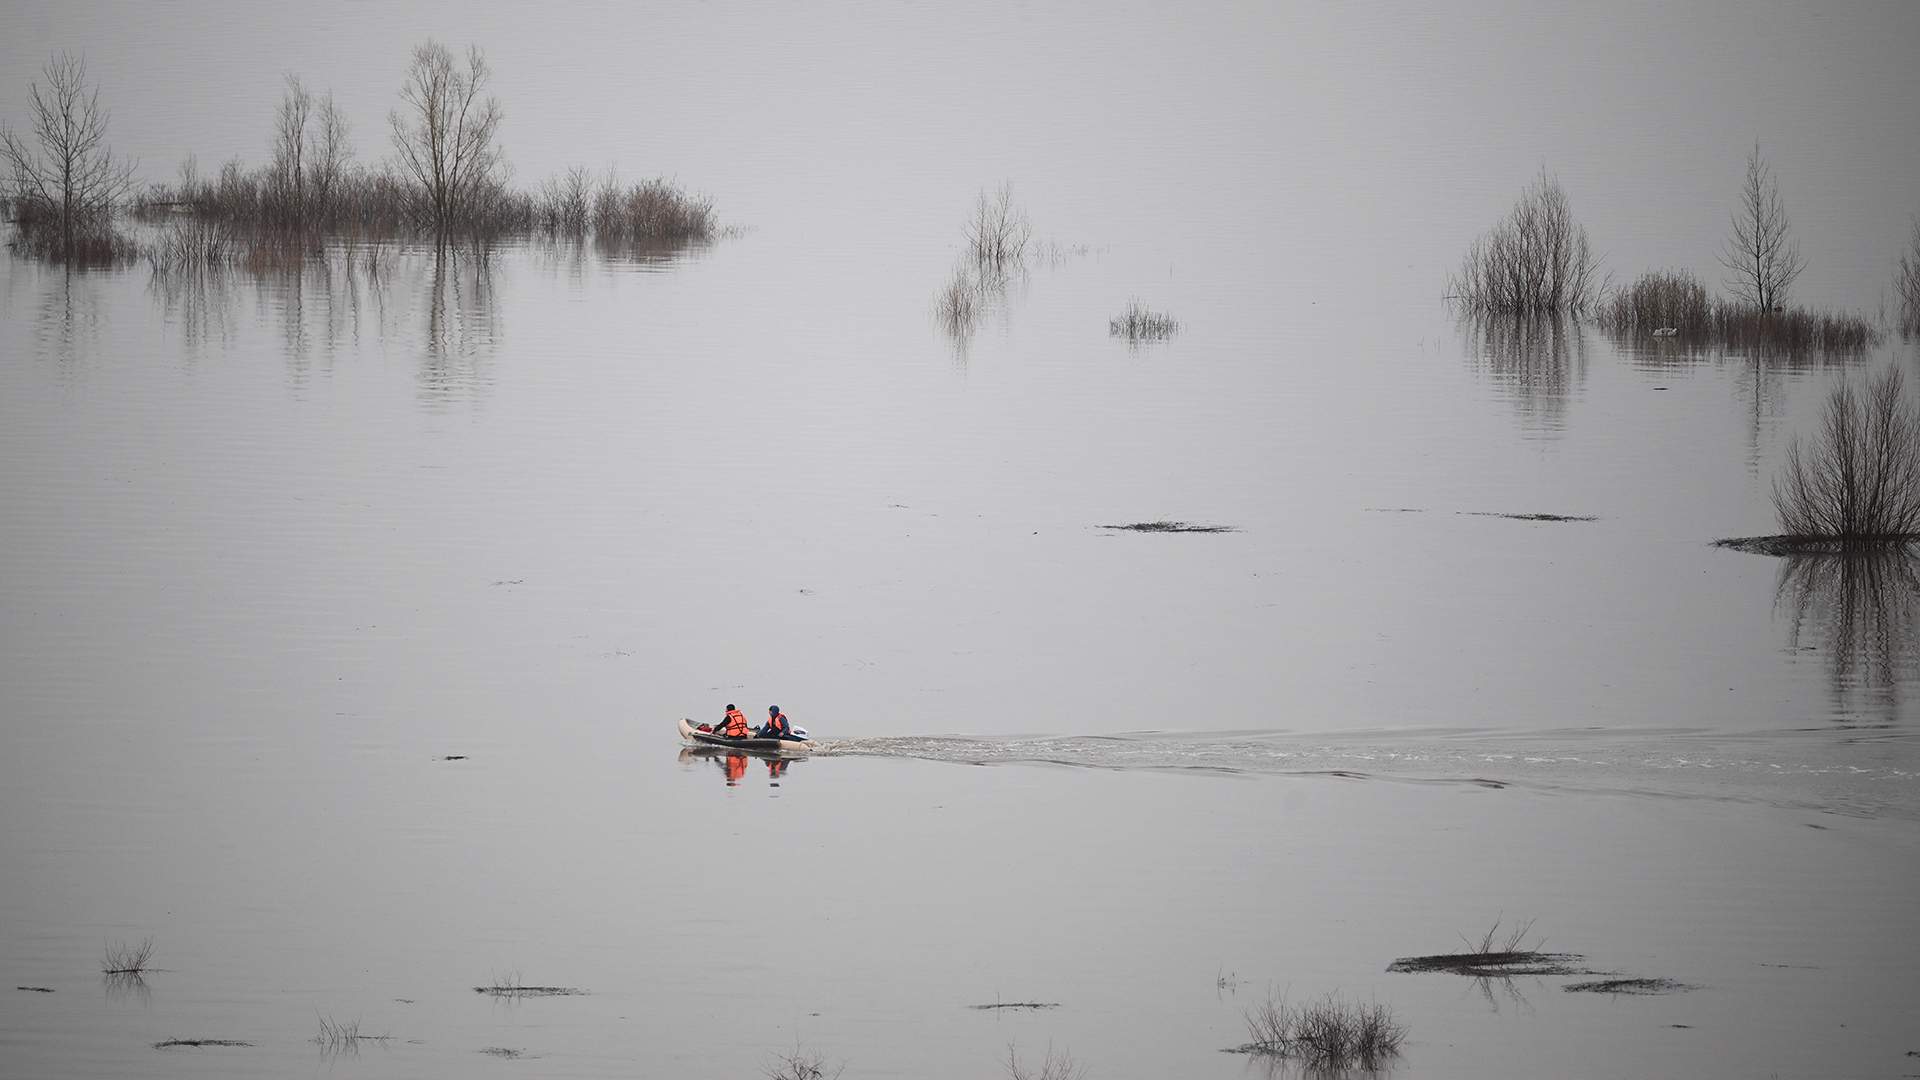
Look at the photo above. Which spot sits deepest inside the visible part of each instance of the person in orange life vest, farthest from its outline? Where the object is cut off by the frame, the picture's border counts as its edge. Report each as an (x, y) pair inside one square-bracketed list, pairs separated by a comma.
[(735, 726), (777, 726)]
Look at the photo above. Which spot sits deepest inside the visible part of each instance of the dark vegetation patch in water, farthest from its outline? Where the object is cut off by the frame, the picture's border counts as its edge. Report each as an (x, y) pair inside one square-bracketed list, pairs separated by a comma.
[(1497, 956), (1494, 965), (36, 989), (1627, 986), (1530, 517), (1676, 308), (1784, 545), (1018, 1005), (515, 990), (1171, 527), (454, 757), (170, 1043), (503, 1052)]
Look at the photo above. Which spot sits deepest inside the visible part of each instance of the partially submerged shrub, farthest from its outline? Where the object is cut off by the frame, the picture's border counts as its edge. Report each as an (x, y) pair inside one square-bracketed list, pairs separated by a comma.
[(192, 246), (124, 959), (1536, 260), (651, 210), (1138, 324), (1858, 481), (1660, 300), (998, 233), (1330, 1033)]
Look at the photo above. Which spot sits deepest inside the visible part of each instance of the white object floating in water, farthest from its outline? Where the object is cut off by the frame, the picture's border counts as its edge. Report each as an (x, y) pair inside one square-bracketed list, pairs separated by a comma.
[(1665, 331)]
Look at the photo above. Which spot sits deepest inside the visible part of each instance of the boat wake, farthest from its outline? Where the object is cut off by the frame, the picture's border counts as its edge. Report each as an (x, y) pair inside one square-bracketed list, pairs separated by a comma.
[(1874, 774)]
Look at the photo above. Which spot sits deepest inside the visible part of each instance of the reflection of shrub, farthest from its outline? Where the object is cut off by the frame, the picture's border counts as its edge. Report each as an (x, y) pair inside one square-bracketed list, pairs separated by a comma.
[(1862, 608), (1536, 260), (1858, 480)]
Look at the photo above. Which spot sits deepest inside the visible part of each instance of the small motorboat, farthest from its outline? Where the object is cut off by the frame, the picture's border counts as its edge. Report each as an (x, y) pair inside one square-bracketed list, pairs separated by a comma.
[(693, 733)]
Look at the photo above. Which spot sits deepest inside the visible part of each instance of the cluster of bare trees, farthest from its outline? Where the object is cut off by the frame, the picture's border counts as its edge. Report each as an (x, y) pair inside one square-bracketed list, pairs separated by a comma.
[(446, 172), (63, 180), (310, 153), (1535, 261)]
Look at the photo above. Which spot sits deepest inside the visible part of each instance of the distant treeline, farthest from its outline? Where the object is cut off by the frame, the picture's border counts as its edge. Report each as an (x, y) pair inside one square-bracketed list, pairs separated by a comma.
[(445, 173)]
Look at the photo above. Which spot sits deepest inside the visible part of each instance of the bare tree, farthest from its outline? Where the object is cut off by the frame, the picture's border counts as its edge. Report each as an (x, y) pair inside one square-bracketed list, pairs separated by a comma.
[(288, 172), (1761, 261), (330, 151), (62, 172), (1906, 282), (444, 134)]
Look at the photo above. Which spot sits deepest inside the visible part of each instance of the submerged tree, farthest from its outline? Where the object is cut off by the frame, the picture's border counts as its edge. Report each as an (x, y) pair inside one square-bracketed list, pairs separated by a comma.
[(1859, 481), (1761, 260), (444, 134), (64, 180), (310, 154), (1536, 260)]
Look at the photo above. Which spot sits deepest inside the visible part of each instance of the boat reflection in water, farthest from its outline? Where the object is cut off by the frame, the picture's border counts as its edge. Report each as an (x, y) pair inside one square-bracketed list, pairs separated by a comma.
[(734, 763), (1861, 612)]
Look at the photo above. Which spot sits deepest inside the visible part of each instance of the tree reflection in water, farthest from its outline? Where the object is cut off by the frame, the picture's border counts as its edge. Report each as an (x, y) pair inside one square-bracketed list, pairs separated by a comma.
[(1862, 611), (1537, 361)]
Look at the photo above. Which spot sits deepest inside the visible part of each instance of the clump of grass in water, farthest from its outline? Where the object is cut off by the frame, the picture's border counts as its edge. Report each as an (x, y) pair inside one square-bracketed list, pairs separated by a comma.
[(168, 1044), (1170, 527), (1138, 324), (508, 985), (127, 960), (339, 1035), (1326, 1034), (1495, 956), (1627, 986)]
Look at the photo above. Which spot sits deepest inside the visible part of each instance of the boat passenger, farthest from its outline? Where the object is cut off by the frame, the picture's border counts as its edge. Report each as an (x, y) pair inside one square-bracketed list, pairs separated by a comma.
[(735, 726), (777, 726)]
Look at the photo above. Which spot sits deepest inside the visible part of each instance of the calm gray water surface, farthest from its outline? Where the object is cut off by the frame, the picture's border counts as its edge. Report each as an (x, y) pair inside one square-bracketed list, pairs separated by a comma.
[(275, 543)]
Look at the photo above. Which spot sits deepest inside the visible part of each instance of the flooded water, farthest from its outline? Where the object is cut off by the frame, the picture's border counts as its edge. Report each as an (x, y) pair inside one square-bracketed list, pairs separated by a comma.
[(347, 602)]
